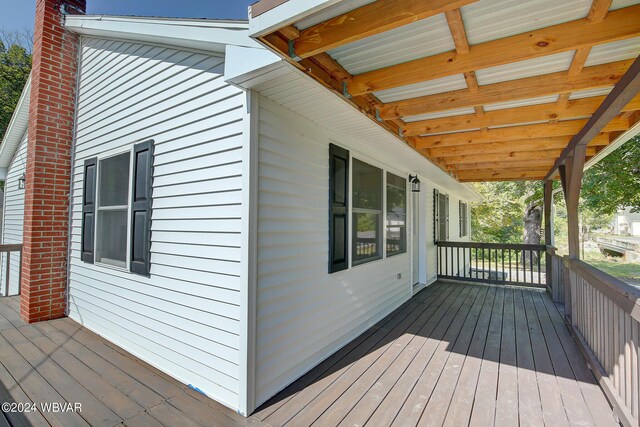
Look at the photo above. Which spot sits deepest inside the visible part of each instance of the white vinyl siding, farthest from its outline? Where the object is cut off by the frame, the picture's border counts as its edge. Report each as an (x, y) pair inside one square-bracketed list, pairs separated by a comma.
[(13, 218), (184, 318), (304, 314)]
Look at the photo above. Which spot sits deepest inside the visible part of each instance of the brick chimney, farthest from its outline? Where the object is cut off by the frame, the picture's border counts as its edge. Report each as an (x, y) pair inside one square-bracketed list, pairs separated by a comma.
[(50, 132)]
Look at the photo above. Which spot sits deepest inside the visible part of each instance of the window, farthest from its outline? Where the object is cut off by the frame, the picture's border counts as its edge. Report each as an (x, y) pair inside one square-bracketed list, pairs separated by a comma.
[(113, 210), (396, 214), (116, 209), (441, 216), (366, 212), (464, 222)]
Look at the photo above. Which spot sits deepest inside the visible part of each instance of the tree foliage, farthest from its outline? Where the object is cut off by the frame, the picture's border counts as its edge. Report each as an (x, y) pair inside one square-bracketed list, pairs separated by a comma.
[(15, 66), (499, 217), (510, 211), (614, 182)]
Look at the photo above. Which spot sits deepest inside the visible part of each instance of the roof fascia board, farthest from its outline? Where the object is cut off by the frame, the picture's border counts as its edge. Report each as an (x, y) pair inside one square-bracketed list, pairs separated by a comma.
[(212, 36), (285, 14)]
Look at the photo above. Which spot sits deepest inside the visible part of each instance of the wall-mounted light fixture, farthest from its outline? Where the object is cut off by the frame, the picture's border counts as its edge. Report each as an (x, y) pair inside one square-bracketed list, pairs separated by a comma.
[(415, 183), (21, 181)]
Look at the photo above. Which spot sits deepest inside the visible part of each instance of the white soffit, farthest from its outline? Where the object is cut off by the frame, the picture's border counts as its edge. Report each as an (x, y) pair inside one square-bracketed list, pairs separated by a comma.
[(612, 52), (422, 38), (488, 20), (430, 87), (439, 115), (521, 103), (523, 69)]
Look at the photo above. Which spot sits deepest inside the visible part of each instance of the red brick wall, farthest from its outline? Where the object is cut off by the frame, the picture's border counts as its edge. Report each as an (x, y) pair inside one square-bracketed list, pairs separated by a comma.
[(46, 211)]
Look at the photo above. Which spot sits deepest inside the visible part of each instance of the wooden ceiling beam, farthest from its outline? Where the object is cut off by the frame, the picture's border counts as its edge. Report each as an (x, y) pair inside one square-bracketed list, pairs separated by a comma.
[(577, 108), (497, 175), (597, 76), (501, 165), (544, 130), (368, 20), (456, 26), (517, 155), (617, 25), (536, 144)]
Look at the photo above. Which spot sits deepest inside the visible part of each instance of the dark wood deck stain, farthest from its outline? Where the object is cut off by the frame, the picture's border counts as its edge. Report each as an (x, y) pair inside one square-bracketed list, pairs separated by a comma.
[(455, 354)]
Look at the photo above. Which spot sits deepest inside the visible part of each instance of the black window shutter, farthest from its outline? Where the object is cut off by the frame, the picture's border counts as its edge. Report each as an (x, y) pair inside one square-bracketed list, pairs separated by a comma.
[(338, 206), (436, 215), (460, 207), (88, 210), (141, 208), (446, 208)]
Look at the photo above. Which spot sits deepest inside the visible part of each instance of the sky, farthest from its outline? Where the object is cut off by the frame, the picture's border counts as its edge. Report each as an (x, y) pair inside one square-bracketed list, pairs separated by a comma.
[(18, 15)]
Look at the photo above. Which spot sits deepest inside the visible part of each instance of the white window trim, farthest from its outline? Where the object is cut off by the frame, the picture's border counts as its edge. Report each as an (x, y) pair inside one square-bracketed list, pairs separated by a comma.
[(99, 159)]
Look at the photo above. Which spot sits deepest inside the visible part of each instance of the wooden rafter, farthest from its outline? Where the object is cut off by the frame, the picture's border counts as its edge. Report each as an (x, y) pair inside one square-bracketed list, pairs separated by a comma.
[(531, 174), (515, 155), (368, 20), (597, 76), (544, 130), (624, 91), (577, 108), (533, 144), (618, 25), (501, 165)]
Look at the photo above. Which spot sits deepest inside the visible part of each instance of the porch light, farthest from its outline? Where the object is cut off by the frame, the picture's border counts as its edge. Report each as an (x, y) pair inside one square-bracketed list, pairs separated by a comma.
[(21, 181), (415, 183)]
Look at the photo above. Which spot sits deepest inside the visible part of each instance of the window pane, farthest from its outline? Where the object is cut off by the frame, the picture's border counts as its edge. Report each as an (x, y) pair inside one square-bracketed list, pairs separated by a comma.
[(112, 237), (396, 215), (367, 186), (366, 238), (114, 181)]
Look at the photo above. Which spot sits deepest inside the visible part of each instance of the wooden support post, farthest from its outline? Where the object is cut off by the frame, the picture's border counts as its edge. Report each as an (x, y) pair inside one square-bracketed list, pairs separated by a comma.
[(548, 232), (574, 172)]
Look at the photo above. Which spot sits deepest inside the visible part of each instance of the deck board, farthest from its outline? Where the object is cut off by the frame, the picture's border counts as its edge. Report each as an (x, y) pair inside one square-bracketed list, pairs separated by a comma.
[(455, 354)]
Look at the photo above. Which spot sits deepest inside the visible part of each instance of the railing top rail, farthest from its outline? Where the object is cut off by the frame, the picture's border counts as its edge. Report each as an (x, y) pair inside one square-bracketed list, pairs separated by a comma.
[(623, 294), (10, 247), (479, 245)]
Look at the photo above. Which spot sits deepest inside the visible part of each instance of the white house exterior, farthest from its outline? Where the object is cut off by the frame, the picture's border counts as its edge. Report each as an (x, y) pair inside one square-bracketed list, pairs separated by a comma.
[(627, 223), (236, 297)]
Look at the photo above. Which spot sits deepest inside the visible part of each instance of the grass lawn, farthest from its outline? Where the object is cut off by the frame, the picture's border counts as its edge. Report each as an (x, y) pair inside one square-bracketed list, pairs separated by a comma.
[(625, 270)]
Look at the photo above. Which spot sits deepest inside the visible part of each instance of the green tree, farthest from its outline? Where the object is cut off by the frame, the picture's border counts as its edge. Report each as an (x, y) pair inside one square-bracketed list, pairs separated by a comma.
[(15, 66), (614, 182)]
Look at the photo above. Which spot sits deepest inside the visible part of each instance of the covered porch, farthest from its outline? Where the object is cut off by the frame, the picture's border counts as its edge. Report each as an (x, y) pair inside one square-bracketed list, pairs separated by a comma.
[(492, 91)]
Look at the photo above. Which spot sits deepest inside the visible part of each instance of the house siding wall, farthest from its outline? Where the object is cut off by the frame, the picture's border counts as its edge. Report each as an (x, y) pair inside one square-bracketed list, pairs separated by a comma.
[(184, 318), (13, 218), (305, 314)]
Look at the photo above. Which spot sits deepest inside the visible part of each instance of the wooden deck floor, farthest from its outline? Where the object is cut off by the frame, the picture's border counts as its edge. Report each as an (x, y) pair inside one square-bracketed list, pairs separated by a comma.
[(60, 361), (455, 354)]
